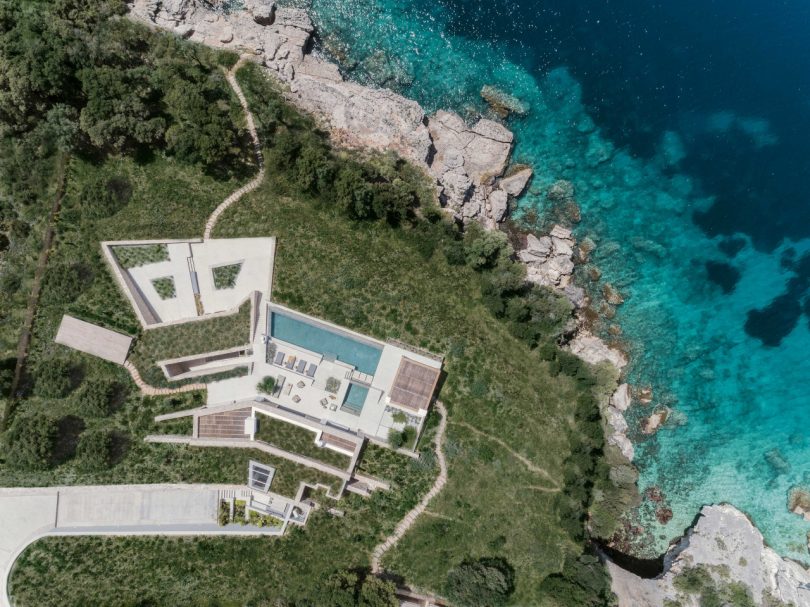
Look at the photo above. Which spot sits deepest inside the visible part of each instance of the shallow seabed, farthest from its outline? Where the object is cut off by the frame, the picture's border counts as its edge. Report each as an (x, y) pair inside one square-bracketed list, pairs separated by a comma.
[(740, 398)]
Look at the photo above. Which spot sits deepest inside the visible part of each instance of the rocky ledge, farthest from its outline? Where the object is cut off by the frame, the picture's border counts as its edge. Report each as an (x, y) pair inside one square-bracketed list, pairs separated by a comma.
[(721, 549), (469, 162)]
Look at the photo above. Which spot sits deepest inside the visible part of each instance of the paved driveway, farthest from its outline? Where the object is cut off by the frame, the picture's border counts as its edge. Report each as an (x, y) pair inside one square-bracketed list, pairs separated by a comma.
[(27, 514)]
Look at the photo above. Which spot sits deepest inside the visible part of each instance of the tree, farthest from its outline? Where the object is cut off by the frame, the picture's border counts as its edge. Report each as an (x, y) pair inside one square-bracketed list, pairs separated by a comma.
[(95, 450), (483, 248), (338, 590), (314, 170), (267, 385), (377, 593), (31, 442), (486, 582), (583, 582), (353, 194)]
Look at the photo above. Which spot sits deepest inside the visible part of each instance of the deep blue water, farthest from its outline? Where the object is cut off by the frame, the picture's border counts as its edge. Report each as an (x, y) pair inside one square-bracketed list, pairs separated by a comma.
[(685, 129)]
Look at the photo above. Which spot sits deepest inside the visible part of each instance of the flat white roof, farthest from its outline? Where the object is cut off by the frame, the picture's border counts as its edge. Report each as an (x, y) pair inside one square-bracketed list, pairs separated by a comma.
[(92, 339), (307, 394), (190, 266)]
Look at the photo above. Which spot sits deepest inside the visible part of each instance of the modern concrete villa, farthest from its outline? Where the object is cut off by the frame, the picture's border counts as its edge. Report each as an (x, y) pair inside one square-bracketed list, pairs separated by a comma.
[(342, 386)]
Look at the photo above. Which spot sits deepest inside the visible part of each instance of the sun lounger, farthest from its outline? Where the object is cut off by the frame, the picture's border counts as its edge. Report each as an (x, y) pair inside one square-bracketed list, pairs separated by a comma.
[(311, 370), (290, 362), (299, 368), (287, 389), (279, 358)]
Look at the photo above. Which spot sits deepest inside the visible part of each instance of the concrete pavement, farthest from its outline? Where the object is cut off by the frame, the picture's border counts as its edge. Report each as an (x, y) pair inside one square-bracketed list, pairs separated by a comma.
[(28, 514)]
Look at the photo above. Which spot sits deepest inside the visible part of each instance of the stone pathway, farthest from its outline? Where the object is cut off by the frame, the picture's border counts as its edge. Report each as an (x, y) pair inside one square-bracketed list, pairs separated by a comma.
[(409, 519), (257, 150), (152, 391)]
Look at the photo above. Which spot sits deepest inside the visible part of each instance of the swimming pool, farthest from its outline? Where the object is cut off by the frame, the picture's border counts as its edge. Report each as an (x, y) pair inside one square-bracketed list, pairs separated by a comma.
[(355, 398), (364, 357)]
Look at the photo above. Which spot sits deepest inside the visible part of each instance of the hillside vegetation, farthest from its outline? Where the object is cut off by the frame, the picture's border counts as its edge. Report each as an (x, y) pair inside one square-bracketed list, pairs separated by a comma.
[(359, 243)]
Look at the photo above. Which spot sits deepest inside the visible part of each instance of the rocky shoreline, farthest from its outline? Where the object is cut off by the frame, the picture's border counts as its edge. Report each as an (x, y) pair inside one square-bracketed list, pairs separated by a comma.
[(475, 180), (471, 164), (722, 547)]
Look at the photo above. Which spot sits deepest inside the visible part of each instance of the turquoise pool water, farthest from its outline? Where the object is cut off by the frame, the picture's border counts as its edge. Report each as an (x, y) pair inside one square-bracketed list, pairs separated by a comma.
[(363, 357), (355, 398), (704, 230)]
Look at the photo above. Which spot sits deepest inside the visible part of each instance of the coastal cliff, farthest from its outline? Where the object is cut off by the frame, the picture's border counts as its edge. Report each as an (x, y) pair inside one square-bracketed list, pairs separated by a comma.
[(724, 556), (470, 164)]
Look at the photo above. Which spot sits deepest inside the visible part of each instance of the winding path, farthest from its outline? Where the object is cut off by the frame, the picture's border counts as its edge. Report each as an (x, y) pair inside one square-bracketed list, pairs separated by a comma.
[(438, 485), (151, 390), (523, 460), (230, 75)]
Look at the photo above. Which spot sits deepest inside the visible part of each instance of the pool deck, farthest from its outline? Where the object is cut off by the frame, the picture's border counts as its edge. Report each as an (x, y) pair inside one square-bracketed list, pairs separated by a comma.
[(306, 395)]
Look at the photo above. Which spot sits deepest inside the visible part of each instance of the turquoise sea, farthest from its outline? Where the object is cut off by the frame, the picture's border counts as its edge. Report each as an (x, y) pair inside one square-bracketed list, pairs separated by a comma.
[(685, 129)]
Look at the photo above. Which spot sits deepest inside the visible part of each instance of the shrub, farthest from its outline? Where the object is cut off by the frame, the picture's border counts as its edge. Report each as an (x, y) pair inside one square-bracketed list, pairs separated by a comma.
[(64, 282), (95, 397), (103, 197), (395, 438), (132, 256), (487, 582), (225, 276), (408, 435), (267, 385), (31, 442), (239, 512), (333, 385), (399, 417), (165, 287), (95, 450), (224, 513), (53, 379)]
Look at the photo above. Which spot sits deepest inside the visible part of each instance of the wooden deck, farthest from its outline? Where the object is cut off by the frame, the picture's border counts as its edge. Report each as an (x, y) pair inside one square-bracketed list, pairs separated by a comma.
[(229, 424)]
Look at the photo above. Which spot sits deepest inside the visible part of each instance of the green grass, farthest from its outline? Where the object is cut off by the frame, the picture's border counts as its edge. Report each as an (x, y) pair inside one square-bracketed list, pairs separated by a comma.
[(225, 276), (297, 440), (196, 337), (165, 287), (133, 256), (358, 275)]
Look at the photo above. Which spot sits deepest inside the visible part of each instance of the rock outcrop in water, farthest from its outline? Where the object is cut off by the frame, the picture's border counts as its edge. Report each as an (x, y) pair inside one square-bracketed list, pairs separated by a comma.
[(722, 549)]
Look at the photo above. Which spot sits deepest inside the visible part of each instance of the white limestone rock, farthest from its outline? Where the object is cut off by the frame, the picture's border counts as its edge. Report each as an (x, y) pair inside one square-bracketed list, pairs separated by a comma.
[(624, 445), (593, 350), (263, 11), (621, 398), (515, 184), (499, 201), (725, 543)]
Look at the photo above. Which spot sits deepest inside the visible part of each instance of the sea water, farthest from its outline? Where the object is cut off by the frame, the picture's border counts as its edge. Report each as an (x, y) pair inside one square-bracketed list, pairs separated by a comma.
[(685, 129)]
